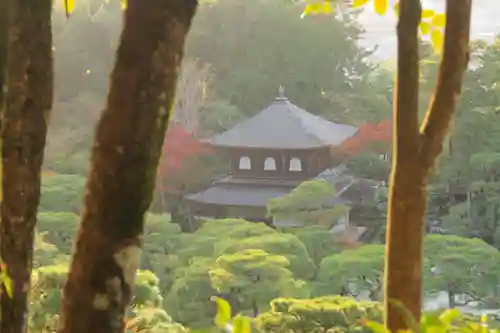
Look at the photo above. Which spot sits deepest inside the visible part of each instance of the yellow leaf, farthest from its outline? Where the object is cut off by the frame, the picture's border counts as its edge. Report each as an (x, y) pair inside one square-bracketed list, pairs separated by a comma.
[(439, 20), (380, 6), (428, 13), (124, 4), (242, 324), (449, 316), (396, 8), (437, 40), (69, 6), (9, 287), (1, 178), (359, 3), (425, 28), (223, 315), (376, 327), (323, 7)]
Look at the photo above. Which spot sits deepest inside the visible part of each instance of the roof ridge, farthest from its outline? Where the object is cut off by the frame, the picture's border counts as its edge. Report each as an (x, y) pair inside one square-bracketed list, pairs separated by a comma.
[(284, 125)]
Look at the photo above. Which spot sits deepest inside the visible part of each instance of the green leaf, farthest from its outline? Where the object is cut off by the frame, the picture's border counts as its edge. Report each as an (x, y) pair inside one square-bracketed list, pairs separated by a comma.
[(376, 327), (223, 312), (9, 286), (431, 324), (448, 316), (242, 324)]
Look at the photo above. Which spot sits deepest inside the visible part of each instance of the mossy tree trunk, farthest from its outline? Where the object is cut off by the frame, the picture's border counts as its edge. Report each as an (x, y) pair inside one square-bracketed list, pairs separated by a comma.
[(416, 150), (125, 154), (28, 101)]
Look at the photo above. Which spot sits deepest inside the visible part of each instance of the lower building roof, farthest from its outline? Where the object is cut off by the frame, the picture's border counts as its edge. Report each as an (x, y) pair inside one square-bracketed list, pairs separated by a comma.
[(238, 195)]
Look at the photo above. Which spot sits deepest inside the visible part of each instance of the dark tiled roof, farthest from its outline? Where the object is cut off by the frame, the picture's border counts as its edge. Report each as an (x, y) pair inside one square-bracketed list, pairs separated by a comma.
[(258, 181), (352, 189), (283, 125), (238, 195)]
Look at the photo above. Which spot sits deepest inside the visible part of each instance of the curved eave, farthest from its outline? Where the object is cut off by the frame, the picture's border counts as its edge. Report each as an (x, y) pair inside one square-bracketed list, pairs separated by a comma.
[(237, 195), (222, 146)]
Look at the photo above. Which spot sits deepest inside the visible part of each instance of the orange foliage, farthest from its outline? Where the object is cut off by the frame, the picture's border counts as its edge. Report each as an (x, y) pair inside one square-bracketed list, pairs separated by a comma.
[(377, 137), (179, 150), (49, 173)]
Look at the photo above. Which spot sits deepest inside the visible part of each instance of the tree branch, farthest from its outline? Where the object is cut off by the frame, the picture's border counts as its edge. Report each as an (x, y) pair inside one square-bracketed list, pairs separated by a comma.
[(407, 85), (406, 201), (449, 84)]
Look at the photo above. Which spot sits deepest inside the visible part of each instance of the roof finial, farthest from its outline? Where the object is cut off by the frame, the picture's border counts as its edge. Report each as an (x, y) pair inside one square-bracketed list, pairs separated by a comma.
[(281, 97), (281, 91)]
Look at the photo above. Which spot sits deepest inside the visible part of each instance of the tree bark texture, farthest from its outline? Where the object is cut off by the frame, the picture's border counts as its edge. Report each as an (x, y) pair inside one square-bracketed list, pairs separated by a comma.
[(3, 48), (28, 101), (415, 152), (125, 154)]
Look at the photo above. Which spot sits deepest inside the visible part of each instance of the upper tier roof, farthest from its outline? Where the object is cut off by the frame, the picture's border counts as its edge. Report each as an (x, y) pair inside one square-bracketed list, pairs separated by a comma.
[(283, 125)]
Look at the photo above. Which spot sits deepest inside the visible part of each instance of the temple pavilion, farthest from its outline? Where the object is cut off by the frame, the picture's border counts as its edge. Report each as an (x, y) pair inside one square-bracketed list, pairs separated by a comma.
[(270, 154)]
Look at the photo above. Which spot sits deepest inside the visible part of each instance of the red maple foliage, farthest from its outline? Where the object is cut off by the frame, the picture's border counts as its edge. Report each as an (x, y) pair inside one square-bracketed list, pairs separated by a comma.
[(180, 149), (374, 137)]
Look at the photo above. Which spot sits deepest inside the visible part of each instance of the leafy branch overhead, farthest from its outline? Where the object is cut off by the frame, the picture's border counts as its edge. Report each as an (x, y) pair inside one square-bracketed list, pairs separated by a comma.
[(431, 25), (70, 5)]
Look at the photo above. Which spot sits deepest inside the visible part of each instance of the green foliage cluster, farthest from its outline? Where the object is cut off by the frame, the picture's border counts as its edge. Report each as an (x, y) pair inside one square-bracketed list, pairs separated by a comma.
[(323, 314), (308, 204), (152, 320), (250, 264), (46, 292), (465, 192), (62, 193), (343, 314)]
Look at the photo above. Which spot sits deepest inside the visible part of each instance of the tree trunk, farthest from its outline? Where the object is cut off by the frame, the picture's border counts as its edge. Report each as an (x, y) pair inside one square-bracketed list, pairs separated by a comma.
[(415, 153), (28, 101), (451, 300), (125, 154), (3, 48)]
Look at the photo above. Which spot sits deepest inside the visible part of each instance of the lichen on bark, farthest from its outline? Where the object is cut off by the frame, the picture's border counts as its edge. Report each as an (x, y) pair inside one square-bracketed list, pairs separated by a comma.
[(128, 259)]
